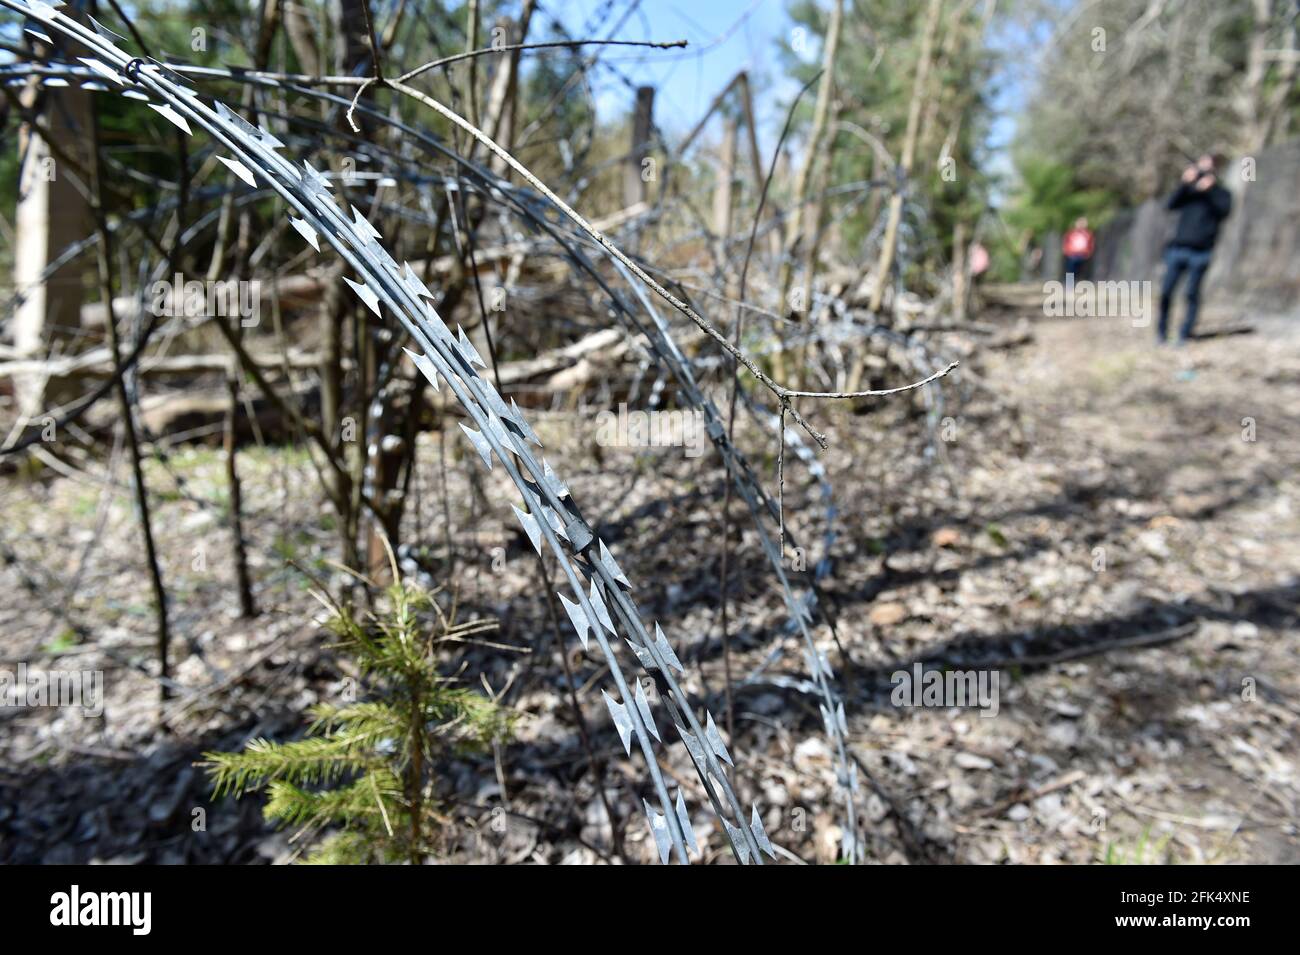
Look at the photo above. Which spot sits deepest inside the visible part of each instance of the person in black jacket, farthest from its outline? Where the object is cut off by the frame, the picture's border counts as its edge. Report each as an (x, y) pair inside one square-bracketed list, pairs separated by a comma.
[(1202, 205)]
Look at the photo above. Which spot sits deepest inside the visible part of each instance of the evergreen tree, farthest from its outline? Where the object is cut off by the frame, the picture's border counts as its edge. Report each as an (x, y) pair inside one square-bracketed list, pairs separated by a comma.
[(362, 776)]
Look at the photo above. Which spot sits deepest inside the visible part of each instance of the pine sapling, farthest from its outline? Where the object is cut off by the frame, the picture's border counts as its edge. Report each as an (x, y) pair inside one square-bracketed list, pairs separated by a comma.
[(360, 783)]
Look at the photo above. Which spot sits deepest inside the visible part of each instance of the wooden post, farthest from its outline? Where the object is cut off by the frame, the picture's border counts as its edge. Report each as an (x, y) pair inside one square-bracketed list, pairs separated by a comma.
[(51, 213), (634, 183), (723, 191), (959, 272)]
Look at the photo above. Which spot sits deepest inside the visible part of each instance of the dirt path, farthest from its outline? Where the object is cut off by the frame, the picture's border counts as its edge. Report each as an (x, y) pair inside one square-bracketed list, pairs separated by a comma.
[(1108, 534), (1133, 539)]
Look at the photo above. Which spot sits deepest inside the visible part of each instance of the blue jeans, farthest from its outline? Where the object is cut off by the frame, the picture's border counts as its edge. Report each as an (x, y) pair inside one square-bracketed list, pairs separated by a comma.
[(1074, 264), (1180, 259)]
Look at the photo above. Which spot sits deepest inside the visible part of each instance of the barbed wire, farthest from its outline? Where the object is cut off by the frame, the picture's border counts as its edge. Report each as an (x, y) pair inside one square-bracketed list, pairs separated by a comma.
[(501, 434)]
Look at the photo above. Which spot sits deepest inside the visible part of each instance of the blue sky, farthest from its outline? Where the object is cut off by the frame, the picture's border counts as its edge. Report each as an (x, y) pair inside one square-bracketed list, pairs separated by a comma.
[(725, 36)]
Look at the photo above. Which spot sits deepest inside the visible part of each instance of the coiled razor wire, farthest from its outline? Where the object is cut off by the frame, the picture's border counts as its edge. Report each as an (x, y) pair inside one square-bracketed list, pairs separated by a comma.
[(546, 496), (502, 433)]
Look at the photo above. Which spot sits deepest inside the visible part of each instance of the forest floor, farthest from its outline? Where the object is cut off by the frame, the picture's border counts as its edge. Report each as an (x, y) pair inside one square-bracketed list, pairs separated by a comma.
[(1110, 527)]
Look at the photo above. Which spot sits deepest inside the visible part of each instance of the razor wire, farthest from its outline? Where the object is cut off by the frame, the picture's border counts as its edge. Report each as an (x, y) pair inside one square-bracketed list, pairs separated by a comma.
[(501, 432), (664, 347)]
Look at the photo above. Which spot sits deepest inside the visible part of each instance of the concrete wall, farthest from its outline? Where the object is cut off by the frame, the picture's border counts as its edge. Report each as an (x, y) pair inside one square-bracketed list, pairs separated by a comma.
[(1257, 259)]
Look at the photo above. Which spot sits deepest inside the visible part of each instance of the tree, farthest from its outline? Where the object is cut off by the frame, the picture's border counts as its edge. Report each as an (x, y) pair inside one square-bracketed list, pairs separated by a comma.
[(1128, 92), (364, 771), (876, 70)]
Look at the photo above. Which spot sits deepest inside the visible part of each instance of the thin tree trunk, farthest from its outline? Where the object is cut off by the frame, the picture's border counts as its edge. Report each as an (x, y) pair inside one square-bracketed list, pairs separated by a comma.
[(886, 262), (471, 79), (247, 608), (794, 229), (104, 256), (502, 112), (302, 37)]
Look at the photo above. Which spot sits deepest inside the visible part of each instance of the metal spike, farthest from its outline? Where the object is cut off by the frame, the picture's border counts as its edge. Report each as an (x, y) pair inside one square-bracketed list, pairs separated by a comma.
[(316, 184), (558, 487), (666, 651), (810, 661), (553, 519), (268, 138), (480, 445), (715, 740), (40, 36), (362, 227), (468, 350), (643, 655), (437, 327), (365, 293), (659, 829), (738, 842), (827, 719), (425, 364), (376, 251), (692, 743), (760, 834), (517, 418), (414, 283), (247, 128), (622, 722), (643, 705), (611, 565), (230, 116), (803, 610), (602, 612), (579, 619), (839, 718), (167, 73), (684, 818), (578, 533), (94, 85), (531, 528), (135, 94), (499, 429), (239, 169), (102, 69), (49, 83), (306, 231)]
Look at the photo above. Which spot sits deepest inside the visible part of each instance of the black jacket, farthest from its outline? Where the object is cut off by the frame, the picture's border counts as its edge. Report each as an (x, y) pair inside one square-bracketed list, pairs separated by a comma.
[(1198, 222)]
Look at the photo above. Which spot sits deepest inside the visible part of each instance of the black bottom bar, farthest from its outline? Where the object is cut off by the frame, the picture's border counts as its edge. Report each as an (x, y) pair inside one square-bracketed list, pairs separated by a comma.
[(332, 906)]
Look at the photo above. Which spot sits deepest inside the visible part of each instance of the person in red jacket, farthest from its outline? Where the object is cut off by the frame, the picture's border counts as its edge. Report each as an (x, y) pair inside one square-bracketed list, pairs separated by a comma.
[(1077, 246)]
